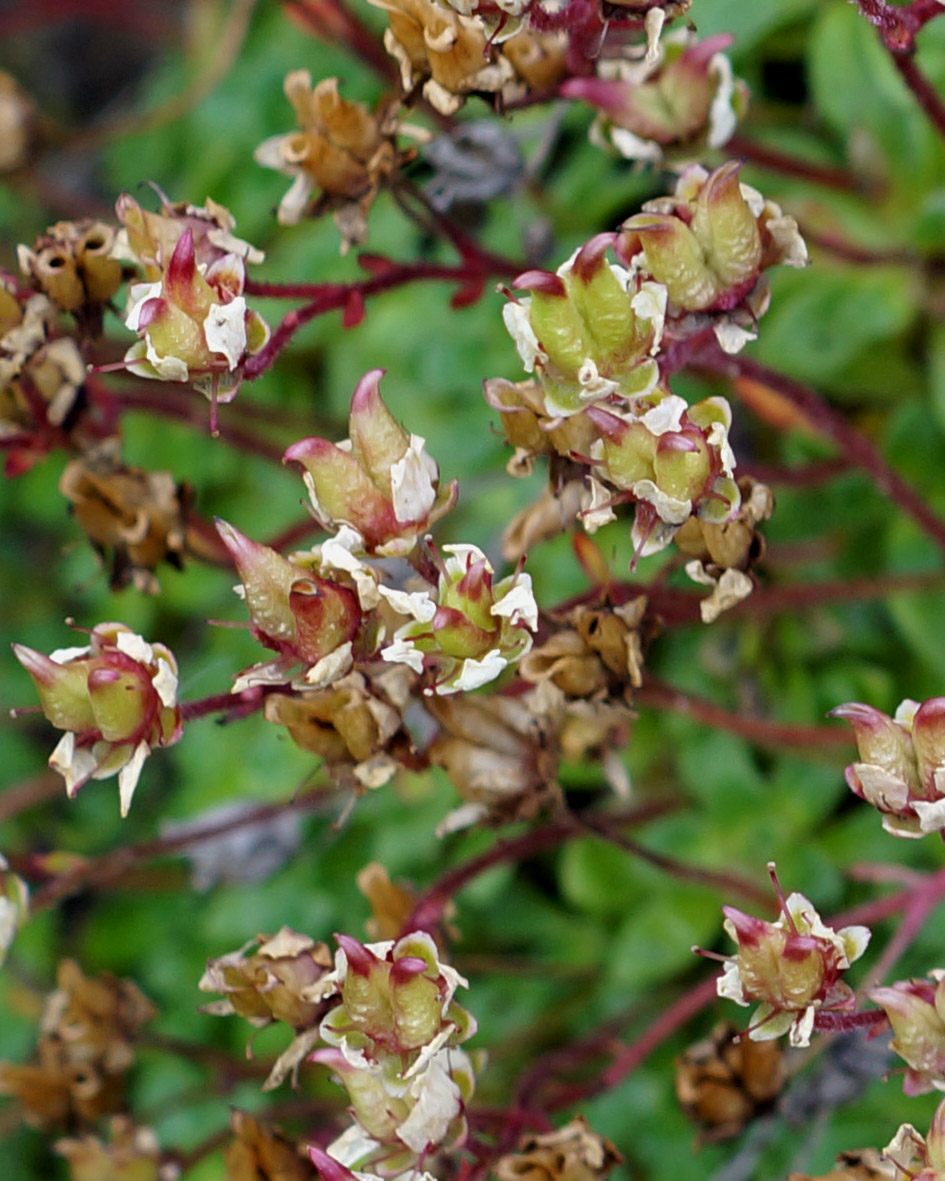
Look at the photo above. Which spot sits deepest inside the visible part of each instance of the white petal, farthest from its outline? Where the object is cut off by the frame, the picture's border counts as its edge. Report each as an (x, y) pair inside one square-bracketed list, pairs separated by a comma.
[(416, 604), (474, 673), (413, 480), (519, 606), (129, 774), (437, 1105), (224, 330), (401, 651)]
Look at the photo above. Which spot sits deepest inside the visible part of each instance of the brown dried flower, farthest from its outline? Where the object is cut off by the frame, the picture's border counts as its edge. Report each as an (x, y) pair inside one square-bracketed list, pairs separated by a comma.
[(340, 148), (130, 516), (500, 753), (597, 652), (572, 1153), (260, 1154), (355, 724), (132, 1154), (446, 53), (86, 1045), (724, 1081), (723, 553), (73, 263), (17, 124)]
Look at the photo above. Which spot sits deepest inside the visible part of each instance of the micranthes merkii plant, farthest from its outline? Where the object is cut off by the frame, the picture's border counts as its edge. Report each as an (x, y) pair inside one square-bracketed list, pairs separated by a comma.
[(405, 636)]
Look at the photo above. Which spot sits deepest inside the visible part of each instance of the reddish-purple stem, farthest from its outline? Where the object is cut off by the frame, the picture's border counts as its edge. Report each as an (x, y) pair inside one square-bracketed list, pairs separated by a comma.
[(835, 1022), (331, 297), (762, 731), (331, 21), (924, 898), (922, 89), (773, 160), (428, 911), (834, 426)]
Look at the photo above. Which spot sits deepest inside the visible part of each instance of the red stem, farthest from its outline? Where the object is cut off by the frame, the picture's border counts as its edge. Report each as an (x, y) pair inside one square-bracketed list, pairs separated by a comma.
[(834, 426), (922, 89), (762, 731), (776, 161)]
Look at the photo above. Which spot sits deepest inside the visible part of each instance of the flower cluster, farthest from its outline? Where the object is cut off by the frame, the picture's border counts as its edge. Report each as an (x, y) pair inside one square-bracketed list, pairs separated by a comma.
[(792, 967), (390, 1029), (116, 700), (392, 1040), (901, 769)]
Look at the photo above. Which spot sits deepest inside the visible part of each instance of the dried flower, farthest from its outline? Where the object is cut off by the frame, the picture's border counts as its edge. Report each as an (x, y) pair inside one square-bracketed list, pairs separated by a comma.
[(598, 651), (916, 1012), (684, 101), (708, 245), (73, 264), (792, 967), (259, 1154), (380, 481), (571, 1153), (17, 124), (283, 979), (589, 331), (116, 699), (470, 629), (724, 1081), (41, 380), (901, 770), (131, 1154), (448, 54), (86, 1046), (149, 239), (867, 1164), (673, 459), (500, 754), (355, 724), (340, 148), (133, 517)]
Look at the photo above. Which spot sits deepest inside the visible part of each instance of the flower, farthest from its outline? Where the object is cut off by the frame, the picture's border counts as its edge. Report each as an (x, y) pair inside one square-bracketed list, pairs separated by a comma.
[(393, 1043), (573, 1152), (380, 481), (130, 1154), (588, 330), (303, 609), (916, 1012), (673, 459), (340, 148), (708, 244), (470, 629), (116, 699), (448, 53), (193, 323), (685, 99), (792, 967), (149, 239), (74, 265), (901, 770)]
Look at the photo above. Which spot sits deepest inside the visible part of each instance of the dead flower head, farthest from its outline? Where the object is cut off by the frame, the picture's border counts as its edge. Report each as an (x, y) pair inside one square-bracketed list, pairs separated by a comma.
[(446, 53), (339, 148), (572, 1153), (131, 516), (86, 1046)]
